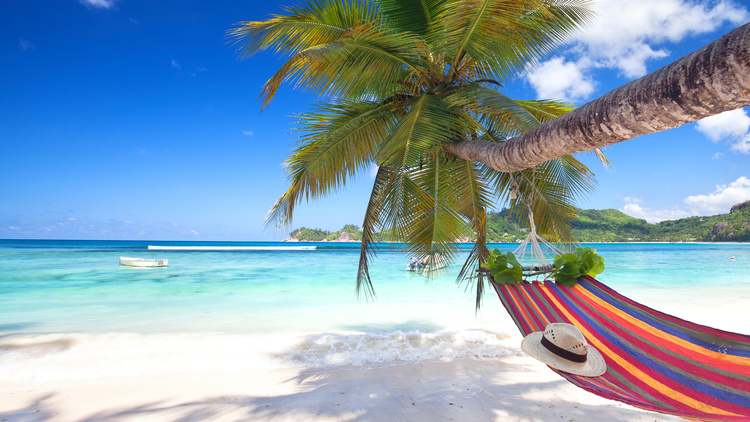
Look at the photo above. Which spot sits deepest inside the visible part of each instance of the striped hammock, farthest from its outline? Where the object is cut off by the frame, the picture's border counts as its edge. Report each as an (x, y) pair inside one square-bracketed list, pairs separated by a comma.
[(655, 361)]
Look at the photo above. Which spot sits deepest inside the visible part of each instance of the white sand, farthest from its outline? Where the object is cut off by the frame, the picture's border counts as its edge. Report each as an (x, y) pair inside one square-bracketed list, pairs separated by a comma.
[(515, 388), (196, 377)]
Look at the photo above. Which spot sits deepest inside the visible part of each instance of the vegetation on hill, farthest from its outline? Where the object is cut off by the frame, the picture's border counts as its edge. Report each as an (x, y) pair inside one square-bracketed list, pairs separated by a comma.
[(309, 235), (598, 226), (348, 233)]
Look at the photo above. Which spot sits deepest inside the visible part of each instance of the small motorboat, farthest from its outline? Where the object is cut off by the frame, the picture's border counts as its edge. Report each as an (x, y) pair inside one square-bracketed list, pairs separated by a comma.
[(425, 265), (142, 262)]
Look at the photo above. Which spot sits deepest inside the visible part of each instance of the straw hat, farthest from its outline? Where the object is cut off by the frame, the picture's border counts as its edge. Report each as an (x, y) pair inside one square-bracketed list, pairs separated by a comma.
[(562, 346)]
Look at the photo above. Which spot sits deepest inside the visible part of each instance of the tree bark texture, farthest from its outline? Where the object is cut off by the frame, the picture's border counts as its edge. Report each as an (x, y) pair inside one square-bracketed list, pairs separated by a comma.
[(709, 81)]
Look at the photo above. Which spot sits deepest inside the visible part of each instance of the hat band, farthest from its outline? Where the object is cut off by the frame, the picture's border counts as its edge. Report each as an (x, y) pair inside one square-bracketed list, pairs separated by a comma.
[(562, 352)]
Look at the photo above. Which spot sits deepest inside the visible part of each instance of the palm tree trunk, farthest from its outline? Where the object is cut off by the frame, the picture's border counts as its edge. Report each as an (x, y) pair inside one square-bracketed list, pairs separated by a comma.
[(714, 79)]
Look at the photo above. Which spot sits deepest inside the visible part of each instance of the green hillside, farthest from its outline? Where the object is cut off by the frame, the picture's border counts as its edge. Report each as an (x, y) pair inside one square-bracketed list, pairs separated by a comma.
[(602, 226)]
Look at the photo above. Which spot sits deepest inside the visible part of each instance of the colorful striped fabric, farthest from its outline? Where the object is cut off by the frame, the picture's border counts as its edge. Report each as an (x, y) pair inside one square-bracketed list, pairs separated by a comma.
[(655, 361)]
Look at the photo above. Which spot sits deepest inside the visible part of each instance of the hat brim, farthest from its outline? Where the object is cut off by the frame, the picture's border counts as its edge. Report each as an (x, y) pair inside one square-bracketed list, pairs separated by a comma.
[(593, 367)]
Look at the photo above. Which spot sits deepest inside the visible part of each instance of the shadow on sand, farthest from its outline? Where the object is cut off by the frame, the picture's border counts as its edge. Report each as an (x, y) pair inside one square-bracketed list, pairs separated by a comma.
[(435, 391)]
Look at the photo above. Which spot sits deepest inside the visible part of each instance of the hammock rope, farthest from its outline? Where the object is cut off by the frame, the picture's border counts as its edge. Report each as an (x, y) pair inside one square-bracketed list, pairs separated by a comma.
[(655, 361), (538, 262)]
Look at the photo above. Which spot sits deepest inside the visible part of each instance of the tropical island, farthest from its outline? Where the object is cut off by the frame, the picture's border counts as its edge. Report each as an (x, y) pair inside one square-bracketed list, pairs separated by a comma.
[(598, 226)]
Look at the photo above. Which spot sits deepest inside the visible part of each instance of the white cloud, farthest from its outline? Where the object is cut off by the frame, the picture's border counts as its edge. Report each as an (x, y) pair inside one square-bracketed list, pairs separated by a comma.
[(559, 79), (742, 145), (731, 126), (13, 228), (731, 123), (248, 132), (625, 32), (374, 171), (718, 155), (100, 4), (651, 215), (193, 232), (25, 44), (718, 202), (175, 64), (626, 35), (722, 199)]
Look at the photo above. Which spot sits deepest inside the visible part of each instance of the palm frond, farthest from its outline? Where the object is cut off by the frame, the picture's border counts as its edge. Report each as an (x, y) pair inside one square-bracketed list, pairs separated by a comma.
[(411, 15), (429, 123), (306, 25), (496, 113), (436, 223), (336, 48), (475, 197), (507, 35), (338, 141), (363, 61), (373, 220)]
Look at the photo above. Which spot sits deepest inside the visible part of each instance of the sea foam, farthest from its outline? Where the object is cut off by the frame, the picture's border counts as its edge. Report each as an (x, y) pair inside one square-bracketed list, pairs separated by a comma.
[(231, 248), (43, 358), (396, 347)]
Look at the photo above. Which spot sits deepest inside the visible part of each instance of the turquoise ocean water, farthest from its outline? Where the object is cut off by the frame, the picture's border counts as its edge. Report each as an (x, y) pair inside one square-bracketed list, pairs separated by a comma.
[(77, 289)]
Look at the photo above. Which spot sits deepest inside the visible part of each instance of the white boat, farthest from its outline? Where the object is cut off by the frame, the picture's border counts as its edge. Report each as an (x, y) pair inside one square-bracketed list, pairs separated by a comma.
[(142, 262), (424, 265)]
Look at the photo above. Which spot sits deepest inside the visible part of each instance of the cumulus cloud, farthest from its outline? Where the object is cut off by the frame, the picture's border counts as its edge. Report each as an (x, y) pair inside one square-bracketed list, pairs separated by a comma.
[(98, 4), (652, 215), (722, 199), (559, 79), (730, 126), (626, 35), (718, 202), (626, 32)]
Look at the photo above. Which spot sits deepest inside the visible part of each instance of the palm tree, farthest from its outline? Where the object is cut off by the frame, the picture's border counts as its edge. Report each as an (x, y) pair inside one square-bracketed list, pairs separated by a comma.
[(714, 79), (406, 81)]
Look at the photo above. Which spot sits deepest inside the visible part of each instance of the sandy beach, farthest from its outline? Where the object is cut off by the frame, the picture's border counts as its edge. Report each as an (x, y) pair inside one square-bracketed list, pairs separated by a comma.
[(392, 360), (233, 378), (514, 388)]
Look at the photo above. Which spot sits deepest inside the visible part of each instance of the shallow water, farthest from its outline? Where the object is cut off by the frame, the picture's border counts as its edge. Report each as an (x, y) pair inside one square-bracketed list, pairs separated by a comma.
[(70, 301)]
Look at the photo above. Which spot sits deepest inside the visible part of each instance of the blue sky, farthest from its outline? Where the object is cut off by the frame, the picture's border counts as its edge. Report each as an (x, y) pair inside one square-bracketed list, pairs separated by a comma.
[(124, 119)]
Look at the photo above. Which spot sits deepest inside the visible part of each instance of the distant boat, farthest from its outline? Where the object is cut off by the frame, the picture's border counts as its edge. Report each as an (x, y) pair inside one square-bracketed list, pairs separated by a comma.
[(424, 265), (141, 262)]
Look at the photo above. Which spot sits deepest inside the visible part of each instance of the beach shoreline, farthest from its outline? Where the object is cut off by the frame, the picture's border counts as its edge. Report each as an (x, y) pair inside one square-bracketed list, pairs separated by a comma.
[(242, 335)]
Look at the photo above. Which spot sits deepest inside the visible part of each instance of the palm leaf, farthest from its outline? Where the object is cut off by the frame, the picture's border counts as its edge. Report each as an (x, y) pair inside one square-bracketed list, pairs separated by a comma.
[(372, 221), (428, 123), (475, 197), (339, 140), (305, 26), (411, 15), (507, 35)]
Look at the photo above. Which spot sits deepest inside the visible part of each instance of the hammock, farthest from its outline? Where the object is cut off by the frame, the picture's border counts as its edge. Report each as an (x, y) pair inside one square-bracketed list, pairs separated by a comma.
[(655, 361)]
